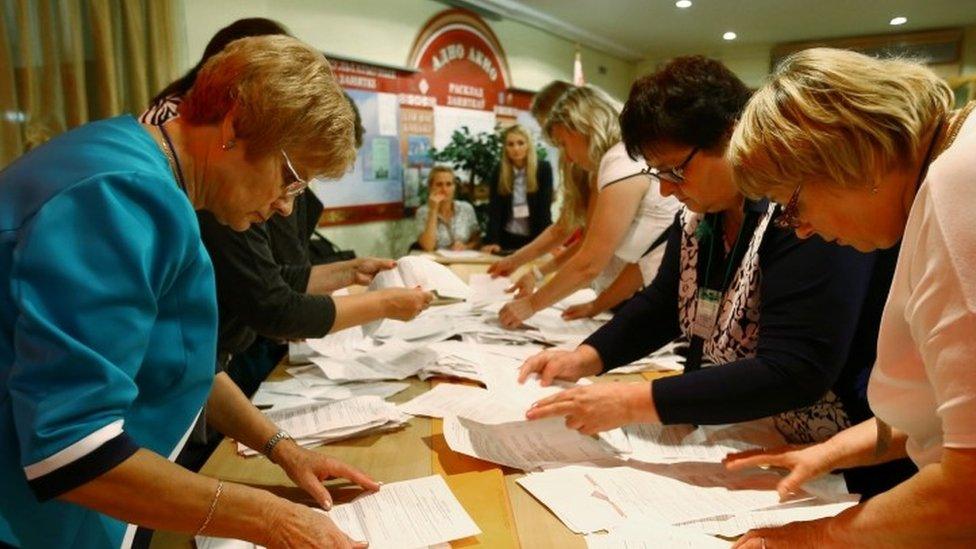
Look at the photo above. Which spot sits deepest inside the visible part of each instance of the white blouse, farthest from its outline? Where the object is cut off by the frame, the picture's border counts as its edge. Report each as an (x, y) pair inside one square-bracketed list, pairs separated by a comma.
[(924, 381), (654, 216)]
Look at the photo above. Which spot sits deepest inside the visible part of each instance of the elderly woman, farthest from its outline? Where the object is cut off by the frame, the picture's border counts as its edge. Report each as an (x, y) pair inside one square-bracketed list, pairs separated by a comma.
[(866, 152), (109, 329), (446, 223)]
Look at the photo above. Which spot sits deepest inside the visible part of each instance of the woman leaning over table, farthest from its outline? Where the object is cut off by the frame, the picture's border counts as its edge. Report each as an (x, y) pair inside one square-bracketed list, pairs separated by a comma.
[(794, 324), (866, 152), (621, 248), (108, 329)]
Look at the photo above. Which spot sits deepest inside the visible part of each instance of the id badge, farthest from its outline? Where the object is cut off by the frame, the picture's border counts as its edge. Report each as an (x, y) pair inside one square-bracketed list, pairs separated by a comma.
[(706, 312), (521, 211)]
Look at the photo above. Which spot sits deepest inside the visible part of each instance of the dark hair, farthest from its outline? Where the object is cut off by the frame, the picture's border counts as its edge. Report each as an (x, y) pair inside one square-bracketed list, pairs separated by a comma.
[(546, 98), (357, 128), (690, 100), (242, 28)]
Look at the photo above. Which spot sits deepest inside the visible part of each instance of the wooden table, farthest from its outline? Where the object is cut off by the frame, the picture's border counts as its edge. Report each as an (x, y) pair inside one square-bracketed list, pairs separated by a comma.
[(507, 515)]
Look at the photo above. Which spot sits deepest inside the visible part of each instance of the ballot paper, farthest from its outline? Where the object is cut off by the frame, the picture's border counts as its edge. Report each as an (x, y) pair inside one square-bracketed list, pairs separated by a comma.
[(554, 329), (601, 496), (295, 392), (653, 443), (395, 359), (414, 271), (486, 290), (332, 421), (579, 297), (526, 445), (666, 359), (460, 254), (448, 399), (648, 534), (737, 524), (409, 514), (341, 344)]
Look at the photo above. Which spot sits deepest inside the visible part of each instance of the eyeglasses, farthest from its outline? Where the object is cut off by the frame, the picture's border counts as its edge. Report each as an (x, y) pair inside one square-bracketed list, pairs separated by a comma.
[(674, 175), (789, 218), (293, 184)]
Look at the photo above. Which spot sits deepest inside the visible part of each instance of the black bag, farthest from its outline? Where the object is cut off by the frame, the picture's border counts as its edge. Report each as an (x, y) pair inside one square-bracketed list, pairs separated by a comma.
[(321, 250)]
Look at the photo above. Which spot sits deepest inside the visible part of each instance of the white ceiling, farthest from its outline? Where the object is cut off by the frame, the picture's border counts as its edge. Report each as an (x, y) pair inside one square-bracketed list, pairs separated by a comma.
[(650, 28)]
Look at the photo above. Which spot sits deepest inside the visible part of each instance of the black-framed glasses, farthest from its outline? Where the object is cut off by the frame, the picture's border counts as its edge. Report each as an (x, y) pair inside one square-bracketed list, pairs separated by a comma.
[(789, 217), (293, 185), (676, 174)]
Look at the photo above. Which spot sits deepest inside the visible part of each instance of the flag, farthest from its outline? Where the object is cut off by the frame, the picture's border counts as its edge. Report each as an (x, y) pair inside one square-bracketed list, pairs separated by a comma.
[(578, 79)]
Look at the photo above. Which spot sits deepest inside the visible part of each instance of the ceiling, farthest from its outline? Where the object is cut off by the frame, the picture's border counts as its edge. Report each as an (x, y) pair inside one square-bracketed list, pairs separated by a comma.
[(650, 28)]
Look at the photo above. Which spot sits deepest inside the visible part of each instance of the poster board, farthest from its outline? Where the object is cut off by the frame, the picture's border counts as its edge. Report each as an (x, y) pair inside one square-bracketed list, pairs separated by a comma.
[(456, 75)]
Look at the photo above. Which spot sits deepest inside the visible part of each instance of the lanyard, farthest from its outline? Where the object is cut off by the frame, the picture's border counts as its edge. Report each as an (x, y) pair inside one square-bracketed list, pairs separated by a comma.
[(709, 300)]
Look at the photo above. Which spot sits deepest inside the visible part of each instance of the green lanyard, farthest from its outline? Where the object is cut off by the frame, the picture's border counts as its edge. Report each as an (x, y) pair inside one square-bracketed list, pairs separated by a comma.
[(711, 254)]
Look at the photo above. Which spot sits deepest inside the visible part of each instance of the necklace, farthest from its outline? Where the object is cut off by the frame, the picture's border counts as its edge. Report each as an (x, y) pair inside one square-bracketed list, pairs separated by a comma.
[(174, 161)]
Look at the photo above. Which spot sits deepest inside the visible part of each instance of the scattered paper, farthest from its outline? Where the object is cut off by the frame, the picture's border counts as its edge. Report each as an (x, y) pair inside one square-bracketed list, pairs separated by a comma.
[(648, 534), (651, 443), (740, 523)]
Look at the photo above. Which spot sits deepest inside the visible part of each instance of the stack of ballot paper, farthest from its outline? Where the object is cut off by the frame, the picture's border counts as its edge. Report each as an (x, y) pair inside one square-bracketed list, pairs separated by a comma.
[(312, 387), (603, 495), (414, 513), (328, 422)]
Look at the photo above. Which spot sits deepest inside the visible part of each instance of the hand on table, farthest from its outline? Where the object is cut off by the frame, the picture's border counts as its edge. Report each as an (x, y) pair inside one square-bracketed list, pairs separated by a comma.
[(523, 287), (300, 526), (503, 267), (811, 534), (491, 249), (598, 407), (308, 469), (515, 312), (583, 310), (803, 462), (561, 364), (404, 303), (364, 269)]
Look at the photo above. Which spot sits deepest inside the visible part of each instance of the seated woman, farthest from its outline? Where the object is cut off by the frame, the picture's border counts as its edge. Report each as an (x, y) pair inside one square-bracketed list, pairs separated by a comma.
[(267, 289), (108, 338), (867, 153), (562, 237), (446, 223), (787, 324), (617, 253), (521, 194)]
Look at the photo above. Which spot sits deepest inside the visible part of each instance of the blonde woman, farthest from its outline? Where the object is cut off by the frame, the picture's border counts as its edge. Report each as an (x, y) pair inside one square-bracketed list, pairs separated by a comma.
[(867, 153), (521, 194), (446, 223), (108, 338), (562, 237), (630, 215)]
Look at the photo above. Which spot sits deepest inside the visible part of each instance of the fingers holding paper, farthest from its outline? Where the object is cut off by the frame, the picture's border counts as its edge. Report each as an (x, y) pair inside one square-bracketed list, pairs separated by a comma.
[(554, 364), (515, 312), (405, 303), (303, 527), (595, 408), (523, 287)]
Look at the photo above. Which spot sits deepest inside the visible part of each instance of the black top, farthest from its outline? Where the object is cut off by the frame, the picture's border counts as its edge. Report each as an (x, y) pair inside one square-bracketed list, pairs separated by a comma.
[(262, 274), (540, 202), (819, 312)]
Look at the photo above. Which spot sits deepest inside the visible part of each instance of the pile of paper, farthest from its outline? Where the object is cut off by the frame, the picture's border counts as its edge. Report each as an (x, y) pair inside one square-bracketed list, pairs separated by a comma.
[(328, 422), (413, 513), (311, 387), (649, 534), (604, 495), (651, 443)]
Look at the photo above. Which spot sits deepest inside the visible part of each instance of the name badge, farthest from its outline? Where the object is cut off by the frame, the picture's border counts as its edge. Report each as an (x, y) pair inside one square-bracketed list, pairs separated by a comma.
[(706, 312), (520, 212)]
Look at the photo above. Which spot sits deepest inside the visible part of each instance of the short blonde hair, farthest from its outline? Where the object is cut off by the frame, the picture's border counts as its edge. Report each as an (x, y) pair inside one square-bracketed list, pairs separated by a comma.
[(506, 174), (439, 169), (837, 117), (284, 96)]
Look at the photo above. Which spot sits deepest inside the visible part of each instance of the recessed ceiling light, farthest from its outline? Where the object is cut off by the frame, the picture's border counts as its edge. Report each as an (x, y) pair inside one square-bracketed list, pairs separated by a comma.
[(729, 36), (898, 20), (683, 4)]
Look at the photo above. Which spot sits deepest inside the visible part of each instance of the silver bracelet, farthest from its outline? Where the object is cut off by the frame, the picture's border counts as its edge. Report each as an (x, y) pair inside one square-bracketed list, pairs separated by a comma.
[(272, 442), (213, 507)]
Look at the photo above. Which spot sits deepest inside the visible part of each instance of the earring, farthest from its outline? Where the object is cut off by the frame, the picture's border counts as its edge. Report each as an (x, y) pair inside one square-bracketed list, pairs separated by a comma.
[(228, 145)]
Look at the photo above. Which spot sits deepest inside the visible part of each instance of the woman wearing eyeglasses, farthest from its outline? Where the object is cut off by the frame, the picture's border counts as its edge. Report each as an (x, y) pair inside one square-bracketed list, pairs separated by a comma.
[(108, 319), (618, 252), (868, 153), (785, 326)]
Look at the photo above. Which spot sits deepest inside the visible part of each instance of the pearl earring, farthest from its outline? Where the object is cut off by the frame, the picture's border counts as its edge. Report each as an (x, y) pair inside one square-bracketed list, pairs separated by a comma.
[(228, 145)]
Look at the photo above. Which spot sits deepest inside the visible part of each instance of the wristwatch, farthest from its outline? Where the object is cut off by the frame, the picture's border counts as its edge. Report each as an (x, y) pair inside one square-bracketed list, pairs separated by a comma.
[(272, 442)]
